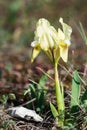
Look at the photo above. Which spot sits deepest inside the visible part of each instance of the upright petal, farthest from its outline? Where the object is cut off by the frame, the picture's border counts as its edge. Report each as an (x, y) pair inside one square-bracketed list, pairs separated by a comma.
[(66, 29), (64, 40), (61, 35), (45, 34), (41, 33)]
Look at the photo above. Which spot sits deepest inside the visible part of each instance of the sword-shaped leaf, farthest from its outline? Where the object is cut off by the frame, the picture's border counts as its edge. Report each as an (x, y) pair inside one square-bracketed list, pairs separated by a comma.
[(53, 110), (75, 94)]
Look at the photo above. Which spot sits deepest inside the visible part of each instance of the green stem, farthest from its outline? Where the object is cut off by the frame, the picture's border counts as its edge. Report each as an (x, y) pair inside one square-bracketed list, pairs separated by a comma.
[(59, 95)]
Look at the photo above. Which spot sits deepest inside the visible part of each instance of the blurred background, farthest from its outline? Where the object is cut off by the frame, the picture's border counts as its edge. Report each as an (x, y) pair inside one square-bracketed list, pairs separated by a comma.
[(18, 20)]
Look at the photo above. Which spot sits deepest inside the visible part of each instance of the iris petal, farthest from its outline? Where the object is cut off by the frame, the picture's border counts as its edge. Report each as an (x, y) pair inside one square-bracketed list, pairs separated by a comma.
[(35, 53), (66, 29), (61, 35), (54, 44), (64, 53)]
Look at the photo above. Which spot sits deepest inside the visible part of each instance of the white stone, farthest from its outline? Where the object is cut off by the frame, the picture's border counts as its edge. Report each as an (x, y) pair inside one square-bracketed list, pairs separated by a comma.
[(25, 113)]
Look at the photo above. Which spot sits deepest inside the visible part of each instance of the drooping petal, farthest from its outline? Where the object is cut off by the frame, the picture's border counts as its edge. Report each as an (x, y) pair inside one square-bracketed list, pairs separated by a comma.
[(35, 52), (34, 44), (64, 52)]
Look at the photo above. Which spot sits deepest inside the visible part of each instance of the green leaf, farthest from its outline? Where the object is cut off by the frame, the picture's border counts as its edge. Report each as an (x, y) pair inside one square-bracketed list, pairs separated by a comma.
[(4, 99), (12, 96), (41, 92), (53, 110), (41, 85), (26, 92), (75, 94), (41, 101), (32, 90), (42, 81)]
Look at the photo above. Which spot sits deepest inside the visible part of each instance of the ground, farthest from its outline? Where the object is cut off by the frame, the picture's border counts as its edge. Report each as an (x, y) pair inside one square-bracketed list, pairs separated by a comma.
[(17, 72)]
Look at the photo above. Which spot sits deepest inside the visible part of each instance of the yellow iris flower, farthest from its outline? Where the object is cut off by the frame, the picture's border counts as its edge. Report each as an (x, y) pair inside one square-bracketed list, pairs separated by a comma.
[(54, 44)]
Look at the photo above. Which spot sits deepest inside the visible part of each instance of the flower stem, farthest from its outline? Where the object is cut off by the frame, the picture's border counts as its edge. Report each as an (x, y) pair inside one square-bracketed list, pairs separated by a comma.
[(59, 96)]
